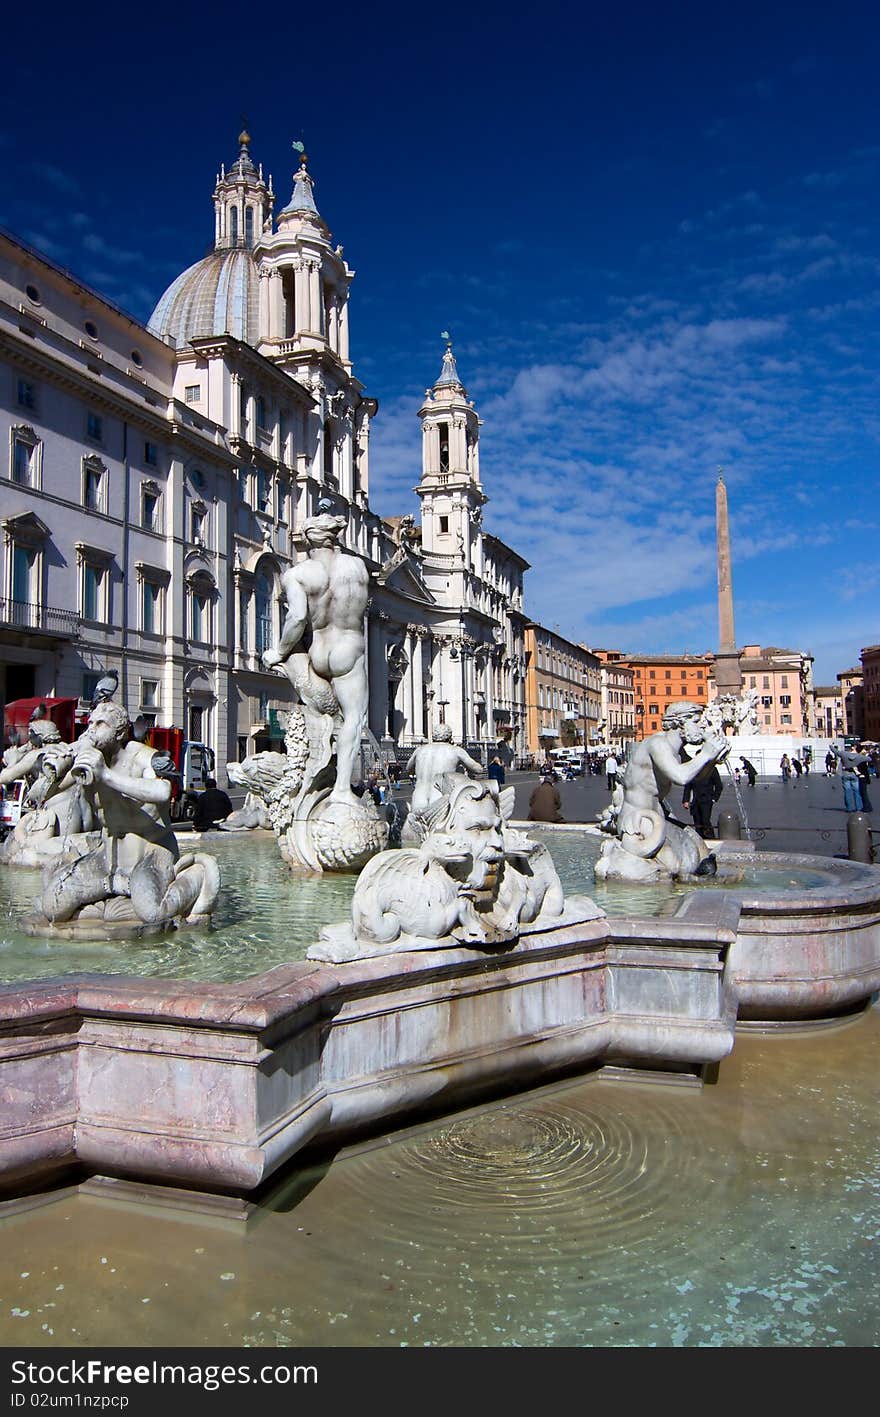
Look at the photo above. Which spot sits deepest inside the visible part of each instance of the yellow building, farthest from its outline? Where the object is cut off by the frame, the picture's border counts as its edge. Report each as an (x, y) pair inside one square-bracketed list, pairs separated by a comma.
[(563, 692)]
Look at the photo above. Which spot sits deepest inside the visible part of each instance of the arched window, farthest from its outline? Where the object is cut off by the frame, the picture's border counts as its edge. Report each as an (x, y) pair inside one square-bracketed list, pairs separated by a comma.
[(249, 225), (233, 224), (263, 608), (444, 447)]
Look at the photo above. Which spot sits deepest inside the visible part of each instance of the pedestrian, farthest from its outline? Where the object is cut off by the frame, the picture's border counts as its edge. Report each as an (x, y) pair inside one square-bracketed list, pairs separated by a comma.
[(785, 767), (830, 763), (611, 771), (496, 770), (864, 771), (807, 756), (797, 765), (750, 771), (545, 804), (849, 777), (701, 795)]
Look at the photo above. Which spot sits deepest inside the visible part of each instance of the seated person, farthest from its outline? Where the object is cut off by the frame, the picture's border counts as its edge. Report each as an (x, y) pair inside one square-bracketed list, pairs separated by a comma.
[(211, 806)]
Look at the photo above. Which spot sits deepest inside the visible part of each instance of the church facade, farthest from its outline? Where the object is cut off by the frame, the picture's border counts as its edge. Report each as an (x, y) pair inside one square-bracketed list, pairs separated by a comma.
[(155, 479)]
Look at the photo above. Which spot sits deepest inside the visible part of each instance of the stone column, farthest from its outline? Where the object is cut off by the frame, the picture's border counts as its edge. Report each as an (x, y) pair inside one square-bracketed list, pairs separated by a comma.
[(263, 295), (728, 674), (333, 323), (418, 719), (343, 329), (314, 298), (301, 297), (276, 306)]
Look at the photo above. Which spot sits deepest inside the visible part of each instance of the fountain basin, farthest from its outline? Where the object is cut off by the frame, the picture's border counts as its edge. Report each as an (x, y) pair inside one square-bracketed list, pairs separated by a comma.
[(802, 953), (216, 1086)]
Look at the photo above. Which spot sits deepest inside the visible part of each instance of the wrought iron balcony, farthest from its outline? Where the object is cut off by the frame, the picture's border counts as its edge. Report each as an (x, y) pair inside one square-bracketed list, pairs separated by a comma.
[(39, 619)]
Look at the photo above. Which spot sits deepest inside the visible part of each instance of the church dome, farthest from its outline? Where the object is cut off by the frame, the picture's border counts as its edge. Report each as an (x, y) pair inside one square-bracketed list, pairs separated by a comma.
[(218, 295)]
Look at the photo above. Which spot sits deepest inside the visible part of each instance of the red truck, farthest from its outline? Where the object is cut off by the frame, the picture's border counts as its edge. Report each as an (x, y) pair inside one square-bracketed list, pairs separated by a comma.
[(194, 764)]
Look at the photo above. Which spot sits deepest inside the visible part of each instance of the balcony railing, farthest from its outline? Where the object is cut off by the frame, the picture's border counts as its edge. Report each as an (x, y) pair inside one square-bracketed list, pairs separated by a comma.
[(43, 619)]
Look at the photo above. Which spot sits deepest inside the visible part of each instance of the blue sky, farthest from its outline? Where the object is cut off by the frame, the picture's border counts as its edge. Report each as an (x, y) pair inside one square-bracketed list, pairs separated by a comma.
[(652, 233)]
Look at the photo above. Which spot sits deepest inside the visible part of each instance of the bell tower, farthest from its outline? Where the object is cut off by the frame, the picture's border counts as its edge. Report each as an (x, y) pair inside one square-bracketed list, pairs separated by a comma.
[(242, 201), (450, 491)]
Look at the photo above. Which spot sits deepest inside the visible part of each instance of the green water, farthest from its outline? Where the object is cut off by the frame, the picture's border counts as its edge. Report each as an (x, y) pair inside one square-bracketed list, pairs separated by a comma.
[(267, 916), (591, 1214)]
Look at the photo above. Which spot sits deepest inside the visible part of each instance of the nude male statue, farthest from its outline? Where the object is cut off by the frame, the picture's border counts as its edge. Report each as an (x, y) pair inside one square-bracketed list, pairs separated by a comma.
[(431, 762), (321, 648), (640, 823)]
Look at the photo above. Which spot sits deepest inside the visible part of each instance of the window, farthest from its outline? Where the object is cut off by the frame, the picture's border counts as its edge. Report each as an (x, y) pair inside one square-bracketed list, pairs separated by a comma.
[(261, 412), (766, 683), (244, 403), (444, 447), (152, 598), (137, 358), (263, 708), (198, 522), (244, 605), (264, 491), (444, 526), (150, 509), (699, 673), (233, 223), (328, 450), (196, 723), (785, 718), (667, 673), (90, 680), (200, 614), (94, 426), (32, 294), (684, 673), (653, 708), (263, 609), (150, 693), (752, 682), (94, 485), (192, 393), (282, 503), (91, 329), (651, 674), (669, 691), (249, 225), (151, 454), (24, 564), (25, 394), (785, 699), (23, 461), (92, 591)]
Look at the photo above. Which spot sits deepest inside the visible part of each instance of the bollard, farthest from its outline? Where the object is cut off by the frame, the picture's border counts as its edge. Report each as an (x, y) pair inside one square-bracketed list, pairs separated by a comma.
[(729, 827), (858, 838)]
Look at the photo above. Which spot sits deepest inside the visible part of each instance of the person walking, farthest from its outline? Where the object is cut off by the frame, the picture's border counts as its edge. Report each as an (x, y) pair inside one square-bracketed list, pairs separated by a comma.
[(611, 768), (701, 795), (797, 765), (830, 763), (807, 757), (750, 771), (785, 767)]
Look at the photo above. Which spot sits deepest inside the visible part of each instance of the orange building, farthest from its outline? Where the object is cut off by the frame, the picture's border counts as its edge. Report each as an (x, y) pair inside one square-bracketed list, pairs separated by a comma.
[(659, 679), (870, 658)]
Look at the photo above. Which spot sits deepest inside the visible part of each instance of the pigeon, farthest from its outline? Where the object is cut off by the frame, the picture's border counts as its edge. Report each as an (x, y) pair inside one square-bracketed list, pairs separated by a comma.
[(105, 688)]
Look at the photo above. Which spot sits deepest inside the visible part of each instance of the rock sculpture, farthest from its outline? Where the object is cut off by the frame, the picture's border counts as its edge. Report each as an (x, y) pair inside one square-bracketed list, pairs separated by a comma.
[(432, 764), (736, 711), (128, 877), (322, 651), (472, 880), (645, 844), (50, 817)]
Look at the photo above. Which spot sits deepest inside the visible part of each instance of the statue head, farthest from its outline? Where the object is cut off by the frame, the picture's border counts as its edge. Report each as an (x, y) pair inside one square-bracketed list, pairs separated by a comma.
[(685, 715), (466, 825), (42, 731), (109, 725), (324, 529), (442, 733)]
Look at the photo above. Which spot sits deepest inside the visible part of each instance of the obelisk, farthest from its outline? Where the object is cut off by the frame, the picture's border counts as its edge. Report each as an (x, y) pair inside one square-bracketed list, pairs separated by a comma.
[(728, 675)]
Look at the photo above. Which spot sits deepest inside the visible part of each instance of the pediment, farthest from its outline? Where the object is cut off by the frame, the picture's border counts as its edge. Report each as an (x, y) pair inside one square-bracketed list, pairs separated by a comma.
[(26, 526), (405, 577)]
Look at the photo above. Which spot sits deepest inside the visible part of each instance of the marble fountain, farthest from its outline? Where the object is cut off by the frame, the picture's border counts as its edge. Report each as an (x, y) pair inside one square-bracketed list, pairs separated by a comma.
[(487, 974)]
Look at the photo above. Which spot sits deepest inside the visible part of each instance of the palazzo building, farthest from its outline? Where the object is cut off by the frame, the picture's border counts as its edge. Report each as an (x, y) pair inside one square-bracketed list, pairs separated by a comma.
[(563, 692), (156, 478)]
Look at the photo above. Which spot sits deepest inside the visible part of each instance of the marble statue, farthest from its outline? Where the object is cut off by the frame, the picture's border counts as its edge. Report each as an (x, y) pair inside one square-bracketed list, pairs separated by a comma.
[(322, 651), (49, 818), (431, 764), (736, 711), (645, 845), (472, 880), (253, 813), (127, 878)]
